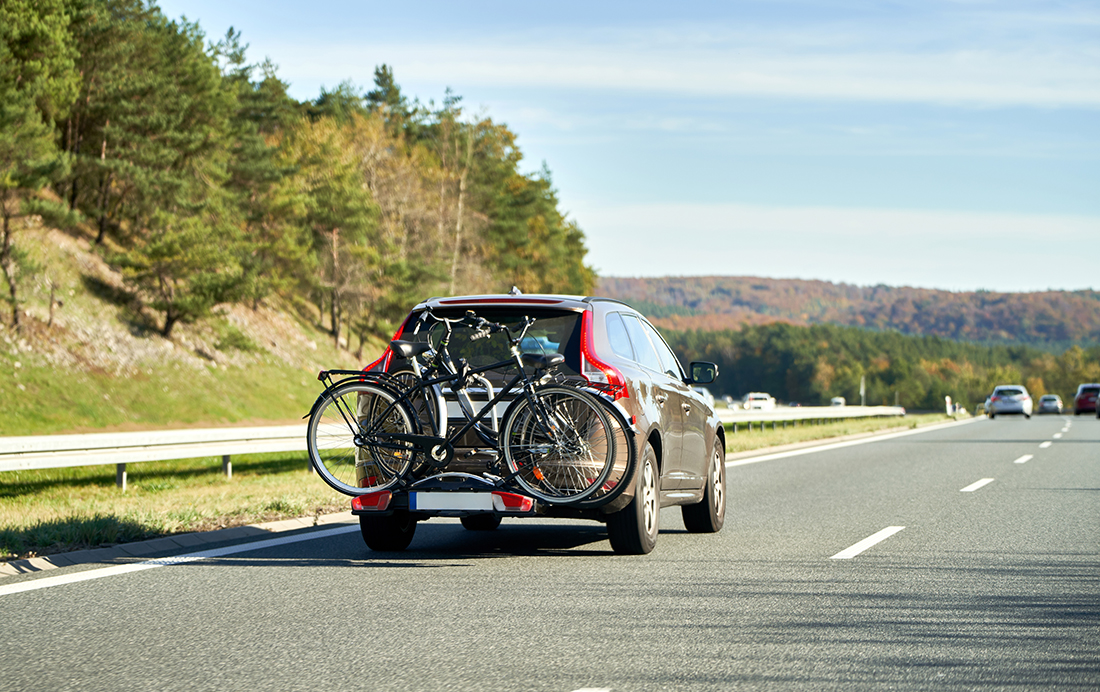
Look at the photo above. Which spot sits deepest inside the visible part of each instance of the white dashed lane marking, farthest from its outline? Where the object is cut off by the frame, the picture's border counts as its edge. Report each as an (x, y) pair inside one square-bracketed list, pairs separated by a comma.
[(976, 484), (866, 543)]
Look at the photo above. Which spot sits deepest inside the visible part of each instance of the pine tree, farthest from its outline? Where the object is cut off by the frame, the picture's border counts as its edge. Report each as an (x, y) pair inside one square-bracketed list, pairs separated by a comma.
[(37, 82)]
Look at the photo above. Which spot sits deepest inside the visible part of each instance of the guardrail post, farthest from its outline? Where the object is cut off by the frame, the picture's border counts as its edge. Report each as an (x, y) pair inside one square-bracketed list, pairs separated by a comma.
[(120, 476), (734, 427), (227, 466)]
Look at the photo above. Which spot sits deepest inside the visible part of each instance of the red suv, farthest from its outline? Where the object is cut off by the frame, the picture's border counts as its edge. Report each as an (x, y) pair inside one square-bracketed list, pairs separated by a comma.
[(1085, 399), (673, 445)]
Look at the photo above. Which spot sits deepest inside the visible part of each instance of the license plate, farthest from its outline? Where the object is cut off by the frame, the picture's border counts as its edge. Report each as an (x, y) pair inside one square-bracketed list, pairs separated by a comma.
[(431, 501)]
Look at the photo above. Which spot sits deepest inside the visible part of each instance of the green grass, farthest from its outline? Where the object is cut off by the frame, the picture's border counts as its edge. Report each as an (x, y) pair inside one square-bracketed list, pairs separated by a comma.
[(39, 400), (57, 510), (744, 440)]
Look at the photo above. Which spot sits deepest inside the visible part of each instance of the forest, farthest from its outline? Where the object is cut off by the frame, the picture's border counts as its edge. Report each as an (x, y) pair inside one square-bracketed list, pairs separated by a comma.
[(198, 179), (1049, 320), (812, 364), (204, 183)]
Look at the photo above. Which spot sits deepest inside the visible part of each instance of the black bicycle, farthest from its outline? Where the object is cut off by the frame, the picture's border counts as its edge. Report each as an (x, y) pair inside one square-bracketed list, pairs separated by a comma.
[(373, 431)]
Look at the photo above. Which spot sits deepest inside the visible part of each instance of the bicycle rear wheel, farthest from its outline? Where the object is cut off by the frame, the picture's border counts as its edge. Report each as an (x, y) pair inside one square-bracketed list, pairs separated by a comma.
[(348, 438), (562, 449)]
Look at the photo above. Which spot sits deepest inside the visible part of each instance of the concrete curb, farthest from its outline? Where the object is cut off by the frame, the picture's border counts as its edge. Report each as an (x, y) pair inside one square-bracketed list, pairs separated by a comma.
[(143, 549)]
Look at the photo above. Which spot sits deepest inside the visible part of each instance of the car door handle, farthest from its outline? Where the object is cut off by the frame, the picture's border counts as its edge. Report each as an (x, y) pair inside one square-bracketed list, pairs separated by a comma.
[(661, 398), (687, 408)]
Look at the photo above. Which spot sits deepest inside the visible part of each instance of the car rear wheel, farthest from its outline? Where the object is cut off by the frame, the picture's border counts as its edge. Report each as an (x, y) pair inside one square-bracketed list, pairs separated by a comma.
[(480, 522), (388, 534), (708, 515), (633, 529)]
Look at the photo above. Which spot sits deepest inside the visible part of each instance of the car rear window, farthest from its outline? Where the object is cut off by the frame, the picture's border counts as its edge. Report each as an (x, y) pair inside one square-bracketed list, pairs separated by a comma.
[(1009, 391), (1049, 398), (1090, 390), (554, 331)]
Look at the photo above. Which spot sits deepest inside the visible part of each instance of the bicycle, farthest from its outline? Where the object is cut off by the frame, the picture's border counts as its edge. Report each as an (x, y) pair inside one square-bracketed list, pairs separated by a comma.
[(369, 432)]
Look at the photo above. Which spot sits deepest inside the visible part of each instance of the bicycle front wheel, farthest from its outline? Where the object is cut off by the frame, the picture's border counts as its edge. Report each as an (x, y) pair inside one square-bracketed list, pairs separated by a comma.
[(349, 438), (561, 449)]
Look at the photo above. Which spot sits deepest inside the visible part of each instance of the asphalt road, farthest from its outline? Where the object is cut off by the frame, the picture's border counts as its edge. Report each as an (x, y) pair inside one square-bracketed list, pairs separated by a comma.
[(996, 587)]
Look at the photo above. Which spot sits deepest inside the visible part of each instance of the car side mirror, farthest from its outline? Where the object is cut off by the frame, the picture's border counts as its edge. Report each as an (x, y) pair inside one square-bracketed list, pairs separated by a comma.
[(703, 372)]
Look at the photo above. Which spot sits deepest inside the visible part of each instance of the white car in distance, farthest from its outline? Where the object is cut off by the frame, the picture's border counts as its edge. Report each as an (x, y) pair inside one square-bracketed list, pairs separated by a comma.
[(758, 401)]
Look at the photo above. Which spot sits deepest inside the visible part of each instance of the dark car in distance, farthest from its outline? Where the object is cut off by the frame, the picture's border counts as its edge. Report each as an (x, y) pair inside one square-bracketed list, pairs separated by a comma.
[(671, 431), (1084, 401)]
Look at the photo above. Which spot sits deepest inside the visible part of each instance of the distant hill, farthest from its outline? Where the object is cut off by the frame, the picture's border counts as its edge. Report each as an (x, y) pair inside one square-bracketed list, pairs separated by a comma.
[(1052, 320)]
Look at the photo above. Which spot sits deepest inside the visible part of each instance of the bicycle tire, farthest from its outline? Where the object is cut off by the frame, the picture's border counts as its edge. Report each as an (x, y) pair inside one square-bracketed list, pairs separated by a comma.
[(366, 411), (563, 466)]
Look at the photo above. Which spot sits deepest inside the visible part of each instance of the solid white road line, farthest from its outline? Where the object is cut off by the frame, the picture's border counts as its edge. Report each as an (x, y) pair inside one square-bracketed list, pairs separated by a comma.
[(1024, 459), (977, 484), (1045, 444), (115, 570), (847, 443), (866, 543)]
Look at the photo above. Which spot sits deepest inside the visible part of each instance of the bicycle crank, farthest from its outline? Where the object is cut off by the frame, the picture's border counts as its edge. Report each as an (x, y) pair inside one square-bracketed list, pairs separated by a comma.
[(438, 451)]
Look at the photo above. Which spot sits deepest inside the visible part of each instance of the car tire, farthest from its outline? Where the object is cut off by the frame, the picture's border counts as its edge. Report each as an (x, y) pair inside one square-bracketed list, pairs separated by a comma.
[(709, 514), (388, 534), (480, 522), (633, 529)]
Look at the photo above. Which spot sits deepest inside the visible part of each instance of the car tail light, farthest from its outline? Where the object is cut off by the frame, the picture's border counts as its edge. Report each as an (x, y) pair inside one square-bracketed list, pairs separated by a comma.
[(372, 502), (387, 355), (511, 502), (595, 370)]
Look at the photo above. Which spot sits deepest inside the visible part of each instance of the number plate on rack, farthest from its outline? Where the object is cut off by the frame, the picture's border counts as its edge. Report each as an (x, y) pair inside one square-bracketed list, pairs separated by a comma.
[(419, 501)]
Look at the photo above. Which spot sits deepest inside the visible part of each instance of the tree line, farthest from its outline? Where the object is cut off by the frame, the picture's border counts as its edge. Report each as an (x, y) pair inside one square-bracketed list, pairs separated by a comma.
[(812, 364), (205, 183), (1050, 320)]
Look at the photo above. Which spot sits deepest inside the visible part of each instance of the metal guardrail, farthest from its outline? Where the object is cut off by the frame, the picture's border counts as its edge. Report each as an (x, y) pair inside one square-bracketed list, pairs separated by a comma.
[(59, 451), (805, 413)]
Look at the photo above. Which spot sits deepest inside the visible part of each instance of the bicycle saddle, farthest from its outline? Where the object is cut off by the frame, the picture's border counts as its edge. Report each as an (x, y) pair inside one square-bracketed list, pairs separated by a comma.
[(541, 362), (409, 349)]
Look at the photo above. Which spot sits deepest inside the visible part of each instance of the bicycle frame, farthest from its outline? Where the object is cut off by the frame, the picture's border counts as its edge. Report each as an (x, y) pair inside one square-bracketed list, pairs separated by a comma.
[(440, 447)]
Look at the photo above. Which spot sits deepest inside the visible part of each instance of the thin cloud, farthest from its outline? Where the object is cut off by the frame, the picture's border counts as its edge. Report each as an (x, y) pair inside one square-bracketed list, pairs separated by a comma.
[(941, 249), (822, 62)]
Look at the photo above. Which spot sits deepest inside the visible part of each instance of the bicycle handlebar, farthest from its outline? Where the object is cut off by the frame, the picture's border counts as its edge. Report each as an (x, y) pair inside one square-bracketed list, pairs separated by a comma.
[(483, 328)]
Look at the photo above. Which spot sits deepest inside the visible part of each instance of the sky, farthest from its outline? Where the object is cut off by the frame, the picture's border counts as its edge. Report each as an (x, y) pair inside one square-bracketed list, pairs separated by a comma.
[(950, 144)]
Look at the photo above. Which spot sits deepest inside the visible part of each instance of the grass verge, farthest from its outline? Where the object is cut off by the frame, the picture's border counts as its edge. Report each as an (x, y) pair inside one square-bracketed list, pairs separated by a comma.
[(745, 440), (57, 510)]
